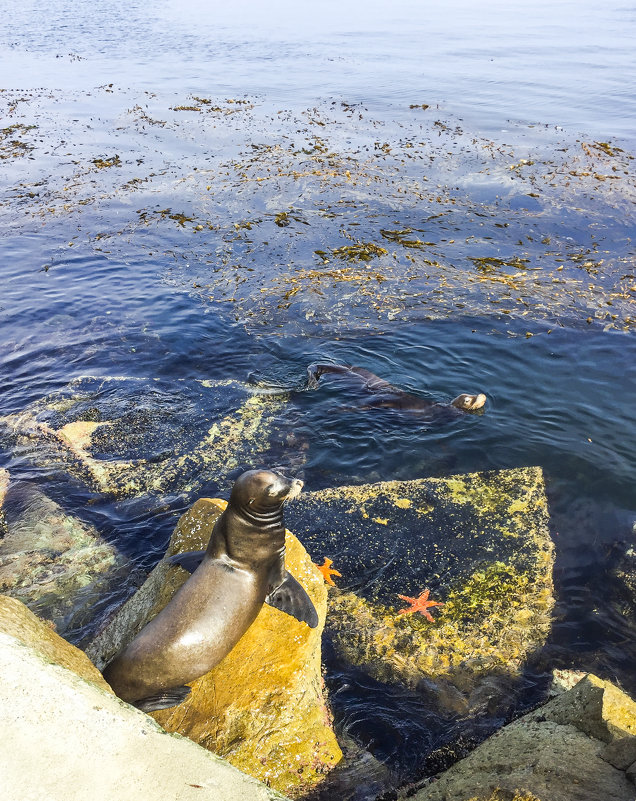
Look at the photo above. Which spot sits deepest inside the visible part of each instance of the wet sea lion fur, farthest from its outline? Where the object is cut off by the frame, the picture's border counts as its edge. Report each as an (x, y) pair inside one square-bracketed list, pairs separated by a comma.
[(385, 396), (242, 568)]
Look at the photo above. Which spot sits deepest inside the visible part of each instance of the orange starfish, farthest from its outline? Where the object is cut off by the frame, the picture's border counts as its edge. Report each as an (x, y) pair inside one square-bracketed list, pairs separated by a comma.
[(327, 571), (419, 604)]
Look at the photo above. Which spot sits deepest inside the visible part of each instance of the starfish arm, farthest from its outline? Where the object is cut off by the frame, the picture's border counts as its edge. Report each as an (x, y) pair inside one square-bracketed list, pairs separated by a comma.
[(327, 571)]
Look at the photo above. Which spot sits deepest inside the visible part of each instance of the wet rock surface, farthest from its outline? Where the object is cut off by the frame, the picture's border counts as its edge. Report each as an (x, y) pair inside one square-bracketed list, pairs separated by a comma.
[(55, 563), (572, 749), (125, 436), (262, 708), (478, 542)]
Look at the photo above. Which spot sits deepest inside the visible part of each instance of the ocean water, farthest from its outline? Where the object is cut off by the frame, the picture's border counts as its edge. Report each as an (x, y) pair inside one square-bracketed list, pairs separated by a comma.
[(147, 157)]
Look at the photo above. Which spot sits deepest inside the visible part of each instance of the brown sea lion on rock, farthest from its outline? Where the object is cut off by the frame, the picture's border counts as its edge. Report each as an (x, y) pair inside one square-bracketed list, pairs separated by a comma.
[(386, 396), (242, 568)]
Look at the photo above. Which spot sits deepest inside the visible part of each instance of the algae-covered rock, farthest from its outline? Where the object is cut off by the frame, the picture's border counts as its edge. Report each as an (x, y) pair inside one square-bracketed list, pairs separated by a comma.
[(20, 623), (479, 543), (549, 754), (124, 437), (52, 561), (262, 708)]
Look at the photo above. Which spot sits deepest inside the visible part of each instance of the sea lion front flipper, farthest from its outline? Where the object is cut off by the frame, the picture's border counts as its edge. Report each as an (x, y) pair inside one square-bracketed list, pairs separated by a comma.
[(290, 597), (164, 700), (188, 560)]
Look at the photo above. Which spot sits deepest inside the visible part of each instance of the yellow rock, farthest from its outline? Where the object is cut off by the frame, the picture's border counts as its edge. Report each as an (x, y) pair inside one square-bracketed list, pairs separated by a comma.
[(27, 628), (262, 708), (479, 542)]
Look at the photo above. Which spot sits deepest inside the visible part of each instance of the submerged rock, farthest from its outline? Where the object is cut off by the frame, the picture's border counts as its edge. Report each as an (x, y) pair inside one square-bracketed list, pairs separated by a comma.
[(126, 437), (479, 543), (52, 561), (567, 750), (69, 738), (262, 708)]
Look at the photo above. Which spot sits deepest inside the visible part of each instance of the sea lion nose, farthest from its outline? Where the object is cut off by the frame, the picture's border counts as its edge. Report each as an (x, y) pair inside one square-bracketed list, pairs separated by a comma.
[(295, 488)]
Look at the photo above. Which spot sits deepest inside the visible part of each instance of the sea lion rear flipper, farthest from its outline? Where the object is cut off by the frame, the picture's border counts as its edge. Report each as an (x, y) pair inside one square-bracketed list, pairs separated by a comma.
[(291, 598), (188, 560), (172, 697)]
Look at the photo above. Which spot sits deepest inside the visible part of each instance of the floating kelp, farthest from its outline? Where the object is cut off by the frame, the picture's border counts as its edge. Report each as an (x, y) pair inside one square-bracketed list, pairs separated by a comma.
[(104, 163), (468, 225), (11, 144)]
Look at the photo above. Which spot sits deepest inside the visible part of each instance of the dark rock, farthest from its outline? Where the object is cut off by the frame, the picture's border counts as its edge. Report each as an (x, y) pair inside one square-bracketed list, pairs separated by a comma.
[(480, 543)]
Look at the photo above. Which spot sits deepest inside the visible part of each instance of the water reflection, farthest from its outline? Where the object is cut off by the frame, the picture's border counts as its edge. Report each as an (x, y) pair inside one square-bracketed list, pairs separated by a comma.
[(568, 63), (152, 265)]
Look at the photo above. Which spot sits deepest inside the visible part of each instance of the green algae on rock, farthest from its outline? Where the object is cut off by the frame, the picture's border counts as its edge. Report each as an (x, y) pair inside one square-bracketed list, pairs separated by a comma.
[(262, 708), (479, 542), (53, 562), (125, 437)]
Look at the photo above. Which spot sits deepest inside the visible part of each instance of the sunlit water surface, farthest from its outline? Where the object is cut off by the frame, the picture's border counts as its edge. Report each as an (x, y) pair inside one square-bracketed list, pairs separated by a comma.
[(559, 396)]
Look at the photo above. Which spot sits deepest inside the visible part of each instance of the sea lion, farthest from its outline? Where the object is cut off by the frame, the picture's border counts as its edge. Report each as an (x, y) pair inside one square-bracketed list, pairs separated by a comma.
[(386, 396), (242, 568)]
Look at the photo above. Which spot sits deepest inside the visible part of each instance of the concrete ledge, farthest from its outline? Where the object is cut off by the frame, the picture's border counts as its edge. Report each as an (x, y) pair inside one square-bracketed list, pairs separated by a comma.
[(68, 740)]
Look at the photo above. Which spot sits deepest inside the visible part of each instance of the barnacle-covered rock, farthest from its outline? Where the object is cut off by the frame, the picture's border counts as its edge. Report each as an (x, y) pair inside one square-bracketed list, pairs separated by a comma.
[(479, 542)]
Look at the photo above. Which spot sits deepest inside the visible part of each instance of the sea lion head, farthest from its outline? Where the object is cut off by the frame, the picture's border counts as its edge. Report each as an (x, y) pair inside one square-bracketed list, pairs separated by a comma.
[(469, 403), (263, 490)]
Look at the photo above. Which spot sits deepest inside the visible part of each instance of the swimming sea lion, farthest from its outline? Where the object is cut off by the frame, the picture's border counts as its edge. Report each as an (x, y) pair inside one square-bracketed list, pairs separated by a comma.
[(386, 396), (242, 568)]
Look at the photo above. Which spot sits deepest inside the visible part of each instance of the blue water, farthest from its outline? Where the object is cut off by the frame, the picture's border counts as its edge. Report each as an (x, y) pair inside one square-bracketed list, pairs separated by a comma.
[(92, 287), (567, 63)]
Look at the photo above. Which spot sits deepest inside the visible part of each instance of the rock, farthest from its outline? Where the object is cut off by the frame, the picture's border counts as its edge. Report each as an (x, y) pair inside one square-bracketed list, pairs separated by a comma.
[(53, 562), (480, 543), (596, 707), (262, 708), (621, 563), (621, 753), (66, 739), (564, 680), (551, 754), (20, 623), (124, 436), (358, 776)]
